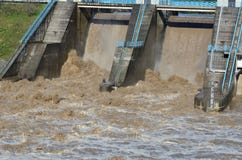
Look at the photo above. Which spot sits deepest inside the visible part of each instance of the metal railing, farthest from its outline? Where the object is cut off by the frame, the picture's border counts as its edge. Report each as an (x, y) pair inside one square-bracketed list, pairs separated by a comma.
[(134, 43), (27, 1), (224, 48), (234, 58), (138, 23), (109, 1), (216, 39), (231, 50), (175, 3), (189, 3), (33, 28), (130, 44), (180, 3)]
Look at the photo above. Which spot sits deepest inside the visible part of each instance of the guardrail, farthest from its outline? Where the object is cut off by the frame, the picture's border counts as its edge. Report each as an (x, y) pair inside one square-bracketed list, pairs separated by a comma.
[(234, 59), (33, 28), (224, 48), (130, 44), (230, 51), (177, 3), (190, 3), (29, 1), (180, 3), (27, 37), (109, 1), (138, 23)]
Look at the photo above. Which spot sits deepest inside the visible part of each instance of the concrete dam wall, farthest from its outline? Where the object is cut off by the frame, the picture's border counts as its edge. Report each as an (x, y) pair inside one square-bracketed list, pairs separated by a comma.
[(174, 51), (68, 117), (169, 51), (104, 31), (184, 53)]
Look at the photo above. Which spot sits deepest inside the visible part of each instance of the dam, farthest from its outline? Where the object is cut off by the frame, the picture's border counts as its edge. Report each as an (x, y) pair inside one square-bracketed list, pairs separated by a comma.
[(131, 37), (51, 106)]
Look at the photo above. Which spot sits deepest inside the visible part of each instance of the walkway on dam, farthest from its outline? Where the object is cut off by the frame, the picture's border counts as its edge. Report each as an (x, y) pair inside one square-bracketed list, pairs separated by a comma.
[(167, 5)]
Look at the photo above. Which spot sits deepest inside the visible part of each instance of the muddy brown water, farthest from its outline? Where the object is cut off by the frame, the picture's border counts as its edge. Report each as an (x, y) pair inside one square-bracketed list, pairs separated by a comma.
[(68, 118)]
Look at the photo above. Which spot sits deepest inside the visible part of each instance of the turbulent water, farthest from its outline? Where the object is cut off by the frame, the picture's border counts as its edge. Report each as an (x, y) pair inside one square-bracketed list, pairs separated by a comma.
[(68, 118)]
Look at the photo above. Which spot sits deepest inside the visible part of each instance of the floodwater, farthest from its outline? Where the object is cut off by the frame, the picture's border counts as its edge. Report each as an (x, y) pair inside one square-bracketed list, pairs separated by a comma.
[(68, 118)]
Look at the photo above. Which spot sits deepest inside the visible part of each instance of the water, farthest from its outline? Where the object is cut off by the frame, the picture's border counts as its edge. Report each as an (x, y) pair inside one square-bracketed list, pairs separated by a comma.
[(106, 132), (68, 118)]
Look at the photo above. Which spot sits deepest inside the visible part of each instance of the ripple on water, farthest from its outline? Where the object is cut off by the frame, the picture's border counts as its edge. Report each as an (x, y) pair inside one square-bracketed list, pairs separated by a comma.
[(194, 136), (12, 137)]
